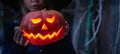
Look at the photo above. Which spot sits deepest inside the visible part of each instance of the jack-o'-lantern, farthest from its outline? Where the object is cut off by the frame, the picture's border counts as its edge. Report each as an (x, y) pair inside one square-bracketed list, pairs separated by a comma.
[(43, 27)]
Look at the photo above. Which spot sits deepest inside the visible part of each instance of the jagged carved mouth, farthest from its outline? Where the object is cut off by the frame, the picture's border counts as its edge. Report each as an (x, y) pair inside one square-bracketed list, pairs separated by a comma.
[(38, 35)]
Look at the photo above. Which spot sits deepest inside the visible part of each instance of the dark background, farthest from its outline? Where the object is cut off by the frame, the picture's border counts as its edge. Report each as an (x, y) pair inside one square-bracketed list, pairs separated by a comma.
[(81, 15)]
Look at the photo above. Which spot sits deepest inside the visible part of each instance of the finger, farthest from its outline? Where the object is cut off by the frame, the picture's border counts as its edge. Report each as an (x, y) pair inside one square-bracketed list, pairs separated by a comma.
[(26, 43), (21, 40), (16, 30), (19, 34), (15, 34), (18, 37), (67, 25)]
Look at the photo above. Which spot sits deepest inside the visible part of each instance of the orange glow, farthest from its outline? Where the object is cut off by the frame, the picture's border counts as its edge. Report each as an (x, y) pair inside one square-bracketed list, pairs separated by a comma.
[(50, 36), (35, 21), (50, 20), (44, 27)]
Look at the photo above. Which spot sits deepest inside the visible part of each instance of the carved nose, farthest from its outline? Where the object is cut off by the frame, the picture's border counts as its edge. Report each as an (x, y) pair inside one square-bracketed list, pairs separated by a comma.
[(44, 27)]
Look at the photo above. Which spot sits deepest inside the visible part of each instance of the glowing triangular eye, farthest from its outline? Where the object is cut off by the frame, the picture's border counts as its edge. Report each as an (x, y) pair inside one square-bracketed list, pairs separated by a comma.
[(36, 21), (50, 20)]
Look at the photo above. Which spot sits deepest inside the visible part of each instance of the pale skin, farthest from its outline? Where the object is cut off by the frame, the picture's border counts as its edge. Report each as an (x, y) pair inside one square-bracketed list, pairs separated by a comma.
[(32, 5)]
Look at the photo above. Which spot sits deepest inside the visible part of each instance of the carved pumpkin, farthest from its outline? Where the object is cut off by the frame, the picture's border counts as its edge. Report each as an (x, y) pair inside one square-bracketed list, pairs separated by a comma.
[(43, 27)]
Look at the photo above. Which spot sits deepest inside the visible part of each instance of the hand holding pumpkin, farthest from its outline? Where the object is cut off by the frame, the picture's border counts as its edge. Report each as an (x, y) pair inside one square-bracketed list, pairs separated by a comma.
[(18, 37), (67, 28)]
